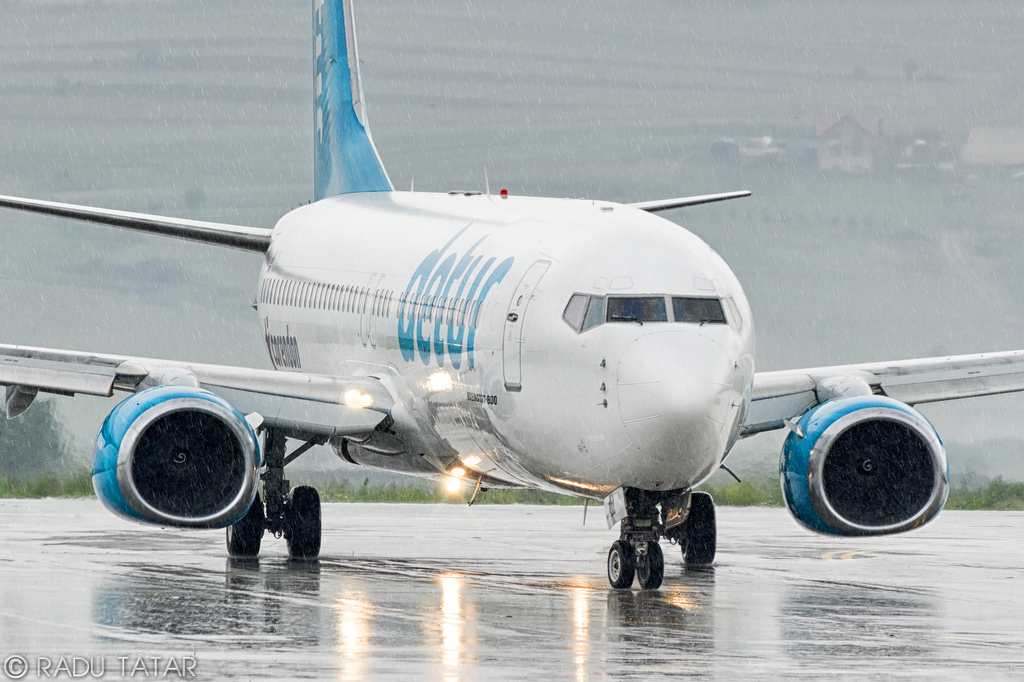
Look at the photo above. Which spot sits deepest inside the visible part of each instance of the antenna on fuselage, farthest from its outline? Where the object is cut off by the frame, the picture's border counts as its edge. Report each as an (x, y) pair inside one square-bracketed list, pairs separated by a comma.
[(487, 184)]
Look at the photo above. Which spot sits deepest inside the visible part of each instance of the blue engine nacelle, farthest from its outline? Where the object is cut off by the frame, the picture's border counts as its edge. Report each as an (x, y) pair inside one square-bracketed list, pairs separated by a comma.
[(176, 456), (865, 465)]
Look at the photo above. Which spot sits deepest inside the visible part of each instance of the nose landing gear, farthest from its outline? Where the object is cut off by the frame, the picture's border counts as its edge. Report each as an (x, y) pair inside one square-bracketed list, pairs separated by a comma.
[(685, 518)]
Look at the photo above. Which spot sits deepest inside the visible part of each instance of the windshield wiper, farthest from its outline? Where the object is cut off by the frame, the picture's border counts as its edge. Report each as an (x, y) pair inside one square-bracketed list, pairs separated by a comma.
[(623, 318)]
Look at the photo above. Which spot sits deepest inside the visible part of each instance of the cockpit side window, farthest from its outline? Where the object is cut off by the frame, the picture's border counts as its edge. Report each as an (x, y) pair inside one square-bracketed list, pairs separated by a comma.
[(637, 309), (698, 310), (575, 311), (595, 313), (734, 313)]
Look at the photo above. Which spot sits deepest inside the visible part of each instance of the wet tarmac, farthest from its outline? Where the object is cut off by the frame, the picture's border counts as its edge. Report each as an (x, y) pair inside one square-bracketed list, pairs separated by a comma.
[(442, 592)]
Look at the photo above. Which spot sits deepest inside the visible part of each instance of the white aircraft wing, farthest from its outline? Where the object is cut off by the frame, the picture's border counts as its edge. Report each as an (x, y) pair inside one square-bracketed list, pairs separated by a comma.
[(683, 202), (781, 396), (303, 405), (254, 239)]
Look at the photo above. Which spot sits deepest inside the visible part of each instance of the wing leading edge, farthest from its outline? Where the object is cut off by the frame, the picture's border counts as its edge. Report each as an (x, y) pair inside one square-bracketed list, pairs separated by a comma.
[(304, 405), (254, 239), (780, 396)]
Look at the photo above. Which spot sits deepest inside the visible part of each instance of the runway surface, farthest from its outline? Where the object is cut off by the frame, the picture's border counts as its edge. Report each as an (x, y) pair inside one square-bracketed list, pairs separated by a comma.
[(442, 592)]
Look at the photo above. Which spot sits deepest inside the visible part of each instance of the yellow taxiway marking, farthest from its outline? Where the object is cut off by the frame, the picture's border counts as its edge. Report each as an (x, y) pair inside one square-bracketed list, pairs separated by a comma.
[(845, 555)]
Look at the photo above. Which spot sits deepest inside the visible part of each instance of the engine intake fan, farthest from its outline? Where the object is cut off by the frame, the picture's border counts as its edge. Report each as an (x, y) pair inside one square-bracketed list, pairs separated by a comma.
[(177, 456), (867, 465)]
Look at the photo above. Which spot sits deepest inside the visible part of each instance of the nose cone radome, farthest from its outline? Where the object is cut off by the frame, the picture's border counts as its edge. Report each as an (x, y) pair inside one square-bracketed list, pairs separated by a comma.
[(675, 394)]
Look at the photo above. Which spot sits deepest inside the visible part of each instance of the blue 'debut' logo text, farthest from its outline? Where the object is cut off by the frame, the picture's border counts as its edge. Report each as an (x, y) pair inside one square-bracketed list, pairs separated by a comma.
[(439, 311)]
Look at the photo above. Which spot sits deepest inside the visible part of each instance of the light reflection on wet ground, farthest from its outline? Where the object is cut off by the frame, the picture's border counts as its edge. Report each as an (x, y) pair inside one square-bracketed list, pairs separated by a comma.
[(449, 593)]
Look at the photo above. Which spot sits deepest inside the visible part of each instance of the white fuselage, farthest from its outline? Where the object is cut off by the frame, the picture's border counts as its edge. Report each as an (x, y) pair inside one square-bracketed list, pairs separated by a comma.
[(456, 303)]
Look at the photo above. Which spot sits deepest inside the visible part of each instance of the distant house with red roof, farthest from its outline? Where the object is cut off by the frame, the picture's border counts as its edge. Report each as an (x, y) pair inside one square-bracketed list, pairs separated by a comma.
[(847, 143)]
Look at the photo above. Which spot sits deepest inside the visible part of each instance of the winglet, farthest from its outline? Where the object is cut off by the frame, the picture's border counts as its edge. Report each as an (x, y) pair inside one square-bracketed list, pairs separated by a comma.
[(682, 202), (345, 159)]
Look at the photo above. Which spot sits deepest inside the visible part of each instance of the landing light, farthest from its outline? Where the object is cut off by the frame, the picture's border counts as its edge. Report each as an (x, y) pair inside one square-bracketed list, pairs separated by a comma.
[(358, 399), (453, 485), (458, 472), (472, 461), (439, 381)]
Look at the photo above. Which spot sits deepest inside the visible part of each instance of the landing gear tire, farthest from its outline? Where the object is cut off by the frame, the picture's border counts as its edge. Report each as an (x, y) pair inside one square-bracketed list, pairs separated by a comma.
[(650, 567), (701, 531), (244, 536), (302, 523), (621, 565)]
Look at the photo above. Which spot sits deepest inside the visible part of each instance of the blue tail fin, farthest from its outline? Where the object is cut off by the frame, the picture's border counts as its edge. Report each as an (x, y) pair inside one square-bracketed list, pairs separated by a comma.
[(345, 159)]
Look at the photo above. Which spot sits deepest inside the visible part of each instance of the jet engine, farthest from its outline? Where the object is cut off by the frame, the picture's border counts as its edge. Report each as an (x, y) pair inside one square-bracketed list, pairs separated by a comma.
[(865, 465), (176, 456)]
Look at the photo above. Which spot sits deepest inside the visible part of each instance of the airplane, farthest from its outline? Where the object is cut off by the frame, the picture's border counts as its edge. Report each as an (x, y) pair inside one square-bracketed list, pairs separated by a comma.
[(585, 347)]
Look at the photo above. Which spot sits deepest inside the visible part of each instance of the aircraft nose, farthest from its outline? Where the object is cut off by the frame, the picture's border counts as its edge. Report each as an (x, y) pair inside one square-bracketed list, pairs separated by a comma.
[(675, 393)]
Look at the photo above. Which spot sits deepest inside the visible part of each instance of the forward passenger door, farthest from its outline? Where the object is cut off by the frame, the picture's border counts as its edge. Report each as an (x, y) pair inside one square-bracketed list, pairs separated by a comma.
[(512, 339)]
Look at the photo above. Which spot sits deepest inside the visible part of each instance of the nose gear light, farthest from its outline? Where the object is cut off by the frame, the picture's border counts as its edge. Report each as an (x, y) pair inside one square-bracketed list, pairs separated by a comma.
[(357, 399)]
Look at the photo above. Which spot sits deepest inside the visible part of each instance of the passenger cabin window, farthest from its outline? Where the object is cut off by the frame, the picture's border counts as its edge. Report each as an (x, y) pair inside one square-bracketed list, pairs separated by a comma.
[(698, 310), (637, 309)]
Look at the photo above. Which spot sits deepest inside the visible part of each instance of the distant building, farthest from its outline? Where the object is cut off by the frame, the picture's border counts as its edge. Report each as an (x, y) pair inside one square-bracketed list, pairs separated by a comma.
[(994, 147), (847, 143), (752, 152), (920, 150)]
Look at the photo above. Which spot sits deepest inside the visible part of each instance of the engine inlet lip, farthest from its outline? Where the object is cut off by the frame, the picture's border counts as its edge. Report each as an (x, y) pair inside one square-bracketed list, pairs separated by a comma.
[(816, 465), (125, 480)]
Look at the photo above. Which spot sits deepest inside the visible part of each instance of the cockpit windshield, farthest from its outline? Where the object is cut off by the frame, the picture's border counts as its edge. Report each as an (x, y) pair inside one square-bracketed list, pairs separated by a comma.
[(585, 312), (698, 310), (639, 309)]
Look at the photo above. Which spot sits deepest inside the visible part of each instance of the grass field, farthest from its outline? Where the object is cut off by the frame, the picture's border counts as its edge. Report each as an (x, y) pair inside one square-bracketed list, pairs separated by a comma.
[(998, 495), (47, 485)]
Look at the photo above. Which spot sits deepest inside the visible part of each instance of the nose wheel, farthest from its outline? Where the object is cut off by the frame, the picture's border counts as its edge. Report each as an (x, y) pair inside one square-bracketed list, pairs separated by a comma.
[(646, 564), (621, 565), (650, 566)]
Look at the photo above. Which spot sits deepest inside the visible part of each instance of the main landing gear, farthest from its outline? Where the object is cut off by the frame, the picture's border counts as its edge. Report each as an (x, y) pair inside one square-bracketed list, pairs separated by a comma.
[(294, 514), (685, 518)]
